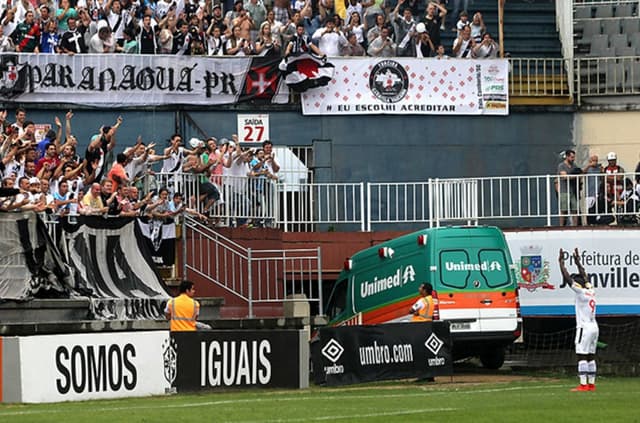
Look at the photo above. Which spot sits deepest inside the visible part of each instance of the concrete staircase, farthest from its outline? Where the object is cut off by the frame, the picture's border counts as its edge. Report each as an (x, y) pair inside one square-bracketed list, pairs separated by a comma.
[(529, 26)]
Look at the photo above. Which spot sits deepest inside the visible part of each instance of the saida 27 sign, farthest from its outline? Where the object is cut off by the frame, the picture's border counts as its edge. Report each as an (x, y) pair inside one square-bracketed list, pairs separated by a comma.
[(253, 128)]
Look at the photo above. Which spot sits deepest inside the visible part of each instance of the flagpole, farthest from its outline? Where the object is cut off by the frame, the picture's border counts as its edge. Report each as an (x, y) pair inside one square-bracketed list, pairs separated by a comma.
[(501, 26)]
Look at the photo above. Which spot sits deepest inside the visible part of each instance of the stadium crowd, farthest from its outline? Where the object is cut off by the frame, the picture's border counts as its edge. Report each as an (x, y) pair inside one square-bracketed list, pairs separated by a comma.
[(252, 27), (604, 192), (49, 176)]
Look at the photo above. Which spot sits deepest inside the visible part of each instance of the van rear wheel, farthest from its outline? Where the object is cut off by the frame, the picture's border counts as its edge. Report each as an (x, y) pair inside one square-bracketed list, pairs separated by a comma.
[(492, 359)]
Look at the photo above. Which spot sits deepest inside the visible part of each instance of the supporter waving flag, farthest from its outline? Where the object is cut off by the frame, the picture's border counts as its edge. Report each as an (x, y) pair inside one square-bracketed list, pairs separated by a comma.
[(304, 71)]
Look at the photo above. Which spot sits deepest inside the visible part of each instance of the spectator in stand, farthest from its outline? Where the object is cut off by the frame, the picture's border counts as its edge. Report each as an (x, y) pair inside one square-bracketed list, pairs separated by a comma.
[(615, 176), (353, 47), (459, 6), (434, 21), (373, 8), (383, 46), (487, 49), (300, 43), (147, 37), (236, 45), (63, 14), (246, 24), (217, 20), (200, 164), (101, 145), (109, 199), (329, 39), (463, 45), (63, 200), (26, 37), (181, 38), (73, 41), (130, 45), (215, 41), (43, 16), (102, 41), (117, 173), (91, 203), (232, 14), (354, 6), (267, 45), (50, 160), (404, 28), (421, 45), (463, 21), (282, 11), (50, 40), (567, 194), (374, 32), (235, 174), (117, 19), (258, 14), (356, 27), (478, 27), (6, 42), (21, 8)]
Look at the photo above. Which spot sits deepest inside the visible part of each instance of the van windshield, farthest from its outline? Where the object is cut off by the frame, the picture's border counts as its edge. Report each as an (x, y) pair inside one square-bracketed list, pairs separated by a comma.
[(460, 268), (338, 300)]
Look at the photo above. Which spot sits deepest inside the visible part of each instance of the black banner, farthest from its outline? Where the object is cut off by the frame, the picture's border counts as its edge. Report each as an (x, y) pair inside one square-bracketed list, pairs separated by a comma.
[(356, 354), (229, 359)]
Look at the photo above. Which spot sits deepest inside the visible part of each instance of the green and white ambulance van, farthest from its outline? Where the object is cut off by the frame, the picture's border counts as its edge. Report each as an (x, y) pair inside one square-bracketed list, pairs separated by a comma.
[(472, 275)]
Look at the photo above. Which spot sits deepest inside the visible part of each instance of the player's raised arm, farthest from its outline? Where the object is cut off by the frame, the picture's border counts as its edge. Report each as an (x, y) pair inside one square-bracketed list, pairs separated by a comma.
[(576, 258), (563, 269)]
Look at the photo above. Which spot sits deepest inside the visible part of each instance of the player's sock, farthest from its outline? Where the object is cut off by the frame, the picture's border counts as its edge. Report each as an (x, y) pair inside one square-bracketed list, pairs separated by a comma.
[(583, 369), (591, 375)]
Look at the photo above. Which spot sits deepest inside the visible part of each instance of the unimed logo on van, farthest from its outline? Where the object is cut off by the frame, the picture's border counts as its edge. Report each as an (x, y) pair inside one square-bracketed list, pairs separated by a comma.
[(402, 276), (461, 266)]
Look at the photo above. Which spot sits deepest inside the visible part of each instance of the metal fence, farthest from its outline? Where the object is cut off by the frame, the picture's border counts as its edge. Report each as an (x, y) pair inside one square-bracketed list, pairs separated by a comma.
[(254, 276), (505, 201)]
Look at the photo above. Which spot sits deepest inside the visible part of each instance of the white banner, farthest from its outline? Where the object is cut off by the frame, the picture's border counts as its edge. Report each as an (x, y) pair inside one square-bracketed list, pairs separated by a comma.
[(610, 257), (139, 80), (412, 86), (91, 366)]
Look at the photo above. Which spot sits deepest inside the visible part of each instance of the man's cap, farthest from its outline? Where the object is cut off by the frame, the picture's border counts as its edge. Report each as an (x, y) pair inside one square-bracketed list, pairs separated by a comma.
[(223, 141), (421, 28), (612, 156), (195, 143), (34, 180), (238, 1), (217, 6), (232, 144)]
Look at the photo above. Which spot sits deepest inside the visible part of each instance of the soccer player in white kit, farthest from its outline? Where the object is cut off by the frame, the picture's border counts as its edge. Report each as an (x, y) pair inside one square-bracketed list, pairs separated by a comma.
[(586, 325)]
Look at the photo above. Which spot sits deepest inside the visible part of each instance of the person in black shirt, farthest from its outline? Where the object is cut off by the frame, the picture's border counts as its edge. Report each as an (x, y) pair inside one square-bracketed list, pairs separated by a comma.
[(72, 41)]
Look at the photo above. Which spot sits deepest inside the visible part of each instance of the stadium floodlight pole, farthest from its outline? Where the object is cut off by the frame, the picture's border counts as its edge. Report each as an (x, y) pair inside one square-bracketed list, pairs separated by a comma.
[(501, 26)]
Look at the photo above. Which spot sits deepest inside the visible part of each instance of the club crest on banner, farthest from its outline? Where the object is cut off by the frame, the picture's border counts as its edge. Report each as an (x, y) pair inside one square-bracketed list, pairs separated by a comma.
[(534, 270), (389, 81), (170, 359)]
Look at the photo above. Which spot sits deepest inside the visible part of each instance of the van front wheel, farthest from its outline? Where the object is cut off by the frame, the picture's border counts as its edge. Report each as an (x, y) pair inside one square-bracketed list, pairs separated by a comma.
[(492, 359)]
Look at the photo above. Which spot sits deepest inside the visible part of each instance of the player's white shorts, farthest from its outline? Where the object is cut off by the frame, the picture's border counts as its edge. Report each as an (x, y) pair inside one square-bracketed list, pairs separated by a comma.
[(587, 338)]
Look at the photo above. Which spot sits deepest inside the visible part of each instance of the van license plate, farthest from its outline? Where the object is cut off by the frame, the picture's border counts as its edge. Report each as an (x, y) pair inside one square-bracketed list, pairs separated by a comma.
[(460, 326)]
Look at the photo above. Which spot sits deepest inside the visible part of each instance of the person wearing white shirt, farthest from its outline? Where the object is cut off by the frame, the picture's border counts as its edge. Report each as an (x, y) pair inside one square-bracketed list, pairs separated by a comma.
[(587, 330), (329, 39)]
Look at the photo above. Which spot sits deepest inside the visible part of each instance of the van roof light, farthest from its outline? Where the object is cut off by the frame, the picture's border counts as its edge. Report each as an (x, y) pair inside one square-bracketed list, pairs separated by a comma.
[(385, 252), (348, 264)]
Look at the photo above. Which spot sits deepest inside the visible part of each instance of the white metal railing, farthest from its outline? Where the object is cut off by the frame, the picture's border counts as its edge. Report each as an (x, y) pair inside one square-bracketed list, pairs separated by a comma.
[(255, 276), (509, 200), (607, 76), (547, 77)]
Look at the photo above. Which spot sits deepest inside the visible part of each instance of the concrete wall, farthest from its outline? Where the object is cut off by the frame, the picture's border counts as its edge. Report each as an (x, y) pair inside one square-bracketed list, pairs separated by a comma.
[(601, 132), (371, 148)]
